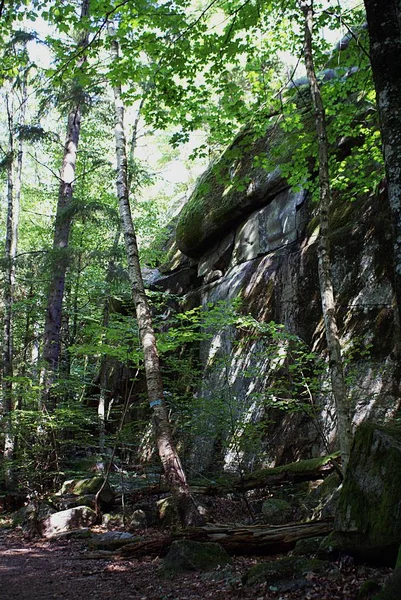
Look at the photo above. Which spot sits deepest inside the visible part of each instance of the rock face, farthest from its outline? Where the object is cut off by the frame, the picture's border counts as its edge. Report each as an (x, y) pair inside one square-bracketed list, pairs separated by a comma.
[(368, 516), (268, 262), (250, 239)]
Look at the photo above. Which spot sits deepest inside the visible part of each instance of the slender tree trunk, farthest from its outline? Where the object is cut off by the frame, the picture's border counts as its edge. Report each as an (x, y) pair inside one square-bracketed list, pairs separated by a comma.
[(14, 177), (62, 228), (102, 404), (173, 469), (384, 27), (325, 278)]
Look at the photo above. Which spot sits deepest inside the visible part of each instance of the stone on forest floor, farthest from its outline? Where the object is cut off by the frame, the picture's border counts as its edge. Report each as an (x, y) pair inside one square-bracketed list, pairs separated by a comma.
[(168, 513), (111, 540), (71, 501), (307, 546), (186, 555), (288, 569), (368, 523), (87, 487), (30, 515), (276, 511), (66, 520)]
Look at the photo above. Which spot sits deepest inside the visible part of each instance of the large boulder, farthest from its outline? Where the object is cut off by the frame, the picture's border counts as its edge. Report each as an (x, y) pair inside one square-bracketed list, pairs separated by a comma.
[(67, 520), (87, 487), (368, 517)]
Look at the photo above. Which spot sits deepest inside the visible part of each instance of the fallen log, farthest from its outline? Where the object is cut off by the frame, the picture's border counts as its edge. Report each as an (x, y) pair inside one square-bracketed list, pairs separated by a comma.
[(297, 472), (242, 540)]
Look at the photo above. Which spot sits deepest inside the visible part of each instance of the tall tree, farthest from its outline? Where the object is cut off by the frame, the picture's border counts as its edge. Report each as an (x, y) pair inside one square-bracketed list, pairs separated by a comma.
[(62, 228), (384, 27), (174, 472), (14, 178), (325, 277)]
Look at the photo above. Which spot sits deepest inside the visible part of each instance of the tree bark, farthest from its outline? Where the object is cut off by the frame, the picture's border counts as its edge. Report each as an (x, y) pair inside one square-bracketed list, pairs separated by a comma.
[(240, 540), (324, 264), (384, 27), (173, 470), (62, 228), (14, 177)]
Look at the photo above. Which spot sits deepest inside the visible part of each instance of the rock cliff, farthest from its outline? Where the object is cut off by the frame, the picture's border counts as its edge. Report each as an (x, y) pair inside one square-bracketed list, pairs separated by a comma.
[(246, 236)]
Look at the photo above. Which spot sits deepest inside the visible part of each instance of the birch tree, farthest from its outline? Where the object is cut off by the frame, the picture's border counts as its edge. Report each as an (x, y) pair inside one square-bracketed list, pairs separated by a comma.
[(173, 470), (324, 263)]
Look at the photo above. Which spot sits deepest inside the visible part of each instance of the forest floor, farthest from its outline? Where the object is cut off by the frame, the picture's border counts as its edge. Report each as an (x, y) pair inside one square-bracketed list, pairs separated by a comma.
[(32, 569)]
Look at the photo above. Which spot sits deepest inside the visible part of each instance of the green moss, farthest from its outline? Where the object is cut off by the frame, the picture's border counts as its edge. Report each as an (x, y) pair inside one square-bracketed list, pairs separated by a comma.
[(392, 588), (223, 197), (302, 466), (287, 568), (367, 588), (368, 521), (187, 555), (276, 511)]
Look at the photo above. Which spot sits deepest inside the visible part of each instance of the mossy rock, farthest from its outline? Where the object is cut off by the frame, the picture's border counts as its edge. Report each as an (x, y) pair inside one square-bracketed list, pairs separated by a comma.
[(368, 589), (229, 191), (307, 546), (321, 502), (284, 569), (368, 523), (327, 548), (88, 487), (30, 514), (276, 511), (187, 555), (168, 513), (392, 587)]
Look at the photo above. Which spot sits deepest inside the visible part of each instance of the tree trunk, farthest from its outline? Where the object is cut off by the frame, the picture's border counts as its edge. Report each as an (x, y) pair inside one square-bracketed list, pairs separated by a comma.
[(14, 177), (62, 227), (173, 470), (325, 278), (384, 27), (239, 540)]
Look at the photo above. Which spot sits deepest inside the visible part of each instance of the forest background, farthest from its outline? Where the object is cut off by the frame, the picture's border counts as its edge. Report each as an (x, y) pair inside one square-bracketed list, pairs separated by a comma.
[(189, 76)]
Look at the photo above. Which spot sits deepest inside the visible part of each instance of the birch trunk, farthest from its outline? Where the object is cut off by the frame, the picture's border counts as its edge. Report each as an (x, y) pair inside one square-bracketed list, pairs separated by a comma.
[(173, 469), (62, 228), (384, 27), (324, 263)]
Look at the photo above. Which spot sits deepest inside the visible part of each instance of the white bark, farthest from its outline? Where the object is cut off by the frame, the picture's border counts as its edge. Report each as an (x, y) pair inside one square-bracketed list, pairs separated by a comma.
[(168, 454), (325, 279)]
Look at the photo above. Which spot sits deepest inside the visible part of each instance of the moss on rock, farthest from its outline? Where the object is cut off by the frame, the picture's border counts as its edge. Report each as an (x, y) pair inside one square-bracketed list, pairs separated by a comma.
[(87, 487), (287, 568), (228, 191), (187, 555), (368, 518), (276, 511)]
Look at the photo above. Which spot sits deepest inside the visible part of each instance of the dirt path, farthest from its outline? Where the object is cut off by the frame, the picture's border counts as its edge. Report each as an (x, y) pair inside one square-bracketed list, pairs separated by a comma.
[(40, 570)]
